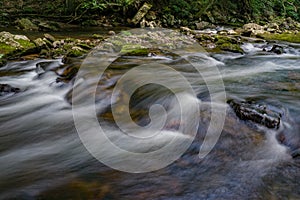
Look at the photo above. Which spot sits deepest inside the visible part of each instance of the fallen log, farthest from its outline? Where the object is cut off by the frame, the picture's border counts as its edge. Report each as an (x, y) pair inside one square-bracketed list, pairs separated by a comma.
[(256, 113)]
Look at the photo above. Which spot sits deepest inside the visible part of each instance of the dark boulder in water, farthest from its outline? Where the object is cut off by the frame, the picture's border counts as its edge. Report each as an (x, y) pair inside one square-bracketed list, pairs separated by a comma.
[(296, 153), (277, 49), (256, 113), (7, 89)]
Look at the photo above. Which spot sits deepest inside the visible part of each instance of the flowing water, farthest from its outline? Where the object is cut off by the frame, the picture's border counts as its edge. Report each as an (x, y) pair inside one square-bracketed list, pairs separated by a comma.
[(42, 157)]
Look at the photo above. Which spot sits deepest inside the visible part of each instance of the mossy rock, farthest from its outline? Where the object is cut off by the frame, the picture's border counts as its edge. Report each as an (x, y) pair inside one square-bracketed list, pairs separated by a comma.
[(85, 46), (6, 49), (26, 24), (126, 33), (68, 73), (25, 48), (225, 39), (76, 52), (98, 36), (235, 48), (289, 37), (136, 50)]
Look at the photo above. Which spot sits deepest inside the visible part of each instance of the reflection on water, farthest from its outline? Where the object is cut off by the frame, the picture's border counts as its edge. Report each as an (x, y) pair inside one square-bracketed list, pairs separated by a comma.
[(42, 157)]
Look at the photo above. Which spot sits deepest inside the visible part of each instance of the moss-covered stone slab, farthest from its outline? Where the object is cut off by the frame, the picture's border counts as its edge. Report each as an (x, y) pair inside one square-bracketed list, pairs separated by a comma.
[(15, 45), (289, 37), (26, 24)]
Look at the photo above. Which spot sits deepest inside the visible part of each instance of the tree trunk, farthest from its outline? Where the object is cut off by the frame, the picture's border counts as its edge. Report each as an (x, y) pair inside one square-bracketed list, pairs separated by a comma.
[(69, 6)]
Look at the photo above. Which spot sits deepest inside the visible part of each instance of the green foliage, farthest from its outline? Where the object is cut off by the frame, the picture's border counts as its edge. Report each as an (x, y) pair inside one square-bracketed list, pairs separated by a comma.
[(94, 5), (107, 6), (180, 8), (283, 8)]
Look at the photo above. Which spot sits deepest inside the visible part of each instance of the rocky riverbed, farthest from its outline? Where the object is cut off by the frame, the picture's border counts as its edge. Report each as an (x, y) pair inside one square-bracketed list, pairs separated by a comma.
[(213, 38)]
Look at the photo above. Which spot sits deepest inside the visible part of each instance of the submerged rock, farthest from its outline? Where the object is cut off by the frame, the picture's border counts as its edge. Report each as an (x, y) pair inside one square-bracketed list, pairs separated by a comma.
[(296, 153), (7, 89), (277, 49), (256, 113)]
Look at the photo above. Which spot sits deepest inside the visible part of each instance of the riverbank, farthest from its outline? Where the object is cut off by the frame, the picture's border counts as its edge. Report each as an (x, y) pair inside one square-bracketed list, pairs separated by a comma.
[(213, 38)]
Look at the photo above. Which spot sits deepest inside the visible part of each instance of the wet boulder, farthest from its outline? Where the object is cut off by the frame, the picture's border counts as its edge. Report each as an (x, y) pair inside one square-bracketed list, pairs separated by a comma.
[(203, 25), (296, 153), (14, 46), (49, 37), (227, 43), (252, 29), (8, 89), (252, 26), (46, 26), (26, 24), (277, 49), (259, 114)]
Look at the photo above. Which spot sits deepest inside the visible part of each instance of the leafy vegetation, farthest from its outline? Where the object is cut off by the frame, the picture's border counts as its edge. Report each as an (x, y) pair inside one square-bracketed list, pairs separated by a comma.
[(175, 12)]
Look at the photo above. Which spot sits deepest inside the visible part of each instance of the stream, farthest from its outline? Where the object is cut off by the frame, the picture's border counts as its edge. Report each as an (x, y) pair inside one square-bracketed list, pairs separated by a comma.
[(42, 156)]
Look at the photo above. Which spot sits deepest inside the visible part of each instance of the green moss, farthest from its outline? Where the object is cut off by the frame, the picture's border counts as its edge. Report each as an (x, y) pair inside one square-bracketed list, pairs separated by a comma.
[(289, 37), (67, 47), (231, 47), (137, 50), (126, 33), (75, 53), (6, 49), (221, 41), (26, 44), (97, 36), (225, 39), (118, 43)]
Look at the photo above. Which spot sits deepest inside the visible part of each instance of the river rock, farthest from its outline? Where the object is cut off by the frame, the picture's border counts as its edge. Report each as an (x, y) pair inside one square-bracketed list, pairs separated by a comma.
[(9, 39), (26, 24), (7, 89), (47, 26), (76, 52), (277, 49), (273, 26), (111, 33), (256, 113), (252, 26), (40, 43), (21, 37), (252, 29), (14, 46), (232, 32), (69, 72), (45, 66), (202, 25), (295, 153), (49, 37)]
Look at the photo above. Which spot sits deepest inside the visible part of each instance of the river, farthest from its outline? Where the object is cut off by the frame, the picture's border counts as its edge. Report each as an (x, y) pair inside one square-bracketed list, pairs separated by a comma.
[(42, 156)]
